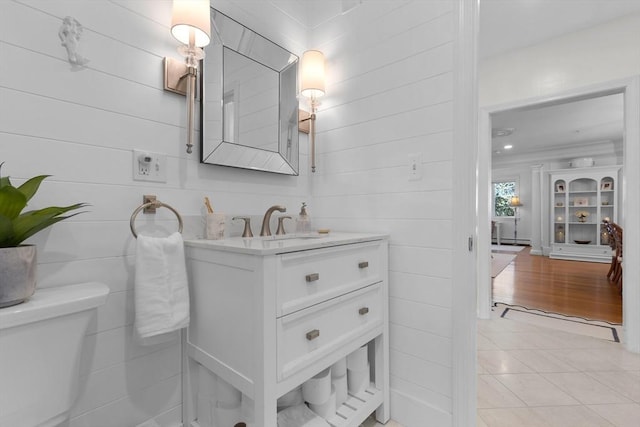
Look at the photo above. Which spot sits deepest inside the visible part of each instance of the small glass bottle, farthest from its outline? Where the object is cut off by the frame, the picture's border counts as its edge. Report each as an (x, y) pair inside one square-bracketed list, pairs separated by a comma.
[(303, 222)]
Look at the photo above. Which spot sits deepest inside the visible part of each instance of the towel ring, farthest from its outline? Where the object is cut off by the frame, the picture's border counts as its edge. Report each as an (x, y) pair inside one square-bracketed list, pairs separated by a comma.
[(156, 204)]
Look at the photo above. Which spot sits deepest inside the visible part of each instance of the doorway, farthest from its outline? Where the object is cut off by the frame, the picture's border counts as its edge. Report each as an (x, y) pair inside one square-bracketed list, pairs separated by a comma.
[(630, 203), (573, 139)]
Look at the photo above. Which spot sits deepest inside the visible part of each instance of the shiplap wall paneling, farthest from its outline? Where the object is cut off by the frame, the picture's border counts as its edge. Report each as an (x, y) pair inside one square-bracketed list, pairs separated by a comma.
[(80, 126), (389, 95)]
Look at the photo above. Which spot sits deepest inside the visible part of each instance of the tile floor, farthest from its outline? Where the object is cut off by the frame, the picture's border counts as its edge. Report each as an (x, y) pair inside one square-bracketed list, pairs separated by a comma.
[(533, 376), (530, 376)]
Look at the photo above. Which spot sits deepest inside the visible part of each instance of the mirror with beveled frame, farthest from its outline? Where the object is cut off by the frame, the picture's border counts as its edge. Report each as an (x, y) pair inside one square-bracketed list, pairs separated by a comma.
[(249, 104)]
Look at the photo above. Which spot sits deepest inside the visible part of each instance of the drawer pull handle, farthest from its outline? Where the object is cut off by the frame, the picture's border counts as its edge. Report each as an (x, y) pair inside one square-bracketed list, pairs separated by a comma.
[(363, 264), (312, 335), (312, 277), (363, 311)]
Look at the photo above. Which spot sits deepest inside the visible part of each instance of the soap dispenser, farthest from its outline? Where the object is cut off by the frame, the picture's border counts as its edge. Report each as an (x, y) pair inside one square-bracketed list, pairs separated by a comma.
[(303, 222)]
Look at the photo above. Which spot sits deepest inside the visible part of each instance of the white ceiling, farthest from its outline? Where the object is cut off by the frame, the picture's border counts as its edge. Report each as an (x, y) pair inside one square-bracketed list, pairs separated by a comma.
[(578, 123), (513, 24)]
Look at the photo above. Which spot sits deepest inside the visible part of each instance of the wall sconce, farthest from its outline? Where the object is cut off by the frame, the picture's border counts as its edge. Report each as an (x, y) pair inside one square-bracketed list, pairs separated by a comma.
[(312, 86), (190, 25)]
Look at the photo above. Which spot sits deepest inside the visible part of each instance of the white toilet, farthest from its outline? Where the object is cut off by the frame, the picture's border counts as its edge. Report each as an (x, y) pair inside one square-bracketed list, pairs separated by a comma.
[(40, 345)]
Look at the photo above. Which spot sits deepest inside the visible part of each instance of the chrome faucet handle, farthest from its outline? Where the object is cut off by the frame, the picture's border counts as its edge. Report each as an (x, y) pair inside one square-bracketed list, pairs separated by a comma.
[(280, 231), (247, 225)]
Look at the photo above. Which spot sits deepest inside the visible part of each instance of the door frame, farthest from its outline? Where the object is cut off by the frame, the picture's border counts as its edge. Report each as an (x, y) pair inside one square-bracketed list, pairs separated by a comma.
[(465, 226), (630, 87)]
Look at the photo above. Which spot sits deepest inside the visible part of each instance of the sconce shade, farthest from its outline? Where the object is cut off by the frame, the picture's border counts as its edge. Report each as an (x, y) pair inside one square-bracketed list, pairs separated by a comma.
[(191, 16), (515, 201), (312, 74)]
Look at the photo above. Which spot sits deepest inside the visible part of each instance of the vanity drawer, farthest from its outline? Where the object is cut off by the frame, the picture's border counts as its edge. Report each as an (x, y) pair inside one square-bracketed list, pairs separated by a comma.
[(311, 334), (310, 277)]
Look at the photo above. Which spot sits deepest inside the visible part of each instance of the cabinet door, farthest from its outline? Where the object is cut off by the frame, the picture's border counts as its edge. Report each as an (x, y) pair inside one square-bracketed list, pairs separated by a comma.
[(607, 205), (559, 211), (583, 221)]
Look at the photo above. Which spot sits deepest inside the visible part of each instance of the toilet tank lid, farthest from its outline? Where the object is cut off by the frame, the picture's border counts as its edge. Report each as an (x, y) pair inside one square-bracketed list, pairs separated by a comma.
[(52, 302)]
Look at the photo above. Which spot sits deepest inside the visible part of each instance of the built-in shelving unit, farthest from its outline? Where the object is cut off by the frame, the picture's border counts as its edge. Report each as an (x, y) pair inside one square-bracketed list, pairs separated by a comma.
[(580, 200)]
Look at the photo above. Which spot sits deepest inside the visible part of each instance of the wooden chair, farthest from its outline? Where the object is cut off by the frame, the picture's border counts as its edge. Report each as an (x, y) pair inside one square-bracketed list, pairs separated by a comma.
[(608, 229), (614, 232), (617, 237)]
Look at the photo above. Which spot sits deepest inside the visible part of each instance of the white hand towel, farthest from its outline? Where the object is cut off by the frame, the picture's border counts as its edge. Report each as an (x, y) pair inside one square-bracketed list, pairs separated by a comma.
[(300, 416), (161, 288)]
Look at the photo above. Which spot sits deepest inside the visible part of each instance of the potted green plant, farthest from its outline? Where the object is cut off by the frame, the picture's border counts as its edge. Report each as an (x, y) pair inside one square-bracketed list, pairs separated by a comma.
[(18, 261)]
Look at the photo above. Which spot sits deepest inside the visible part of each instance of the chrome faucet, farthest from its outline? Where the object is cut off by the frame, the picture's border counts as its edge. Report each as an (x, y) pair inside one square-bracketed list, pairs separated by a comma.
[(266, 231)]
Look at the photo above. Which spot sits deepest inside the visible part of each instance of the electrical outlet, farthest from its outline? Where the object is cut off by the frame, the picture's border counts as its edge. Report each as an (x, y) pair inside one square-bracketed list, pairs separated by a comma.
[(415, 167), (149, 166)]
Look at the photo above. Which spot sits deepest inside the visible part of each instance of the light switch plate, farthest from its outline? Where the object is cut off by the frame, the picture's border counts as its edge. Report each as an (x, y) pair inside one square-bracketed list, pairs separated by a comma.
[(415, 167)]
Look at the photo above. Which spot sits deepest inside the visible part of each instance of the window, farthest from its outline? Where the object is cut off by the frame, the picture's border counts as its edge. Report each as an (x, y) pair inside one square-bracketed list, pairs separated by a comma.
[(503, 191)]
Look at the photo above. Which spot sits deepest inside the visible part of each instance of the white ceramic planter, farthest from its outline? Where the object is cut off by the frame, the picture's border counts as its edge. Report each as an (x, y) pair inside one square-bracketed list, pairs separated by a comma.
[(17, 274)]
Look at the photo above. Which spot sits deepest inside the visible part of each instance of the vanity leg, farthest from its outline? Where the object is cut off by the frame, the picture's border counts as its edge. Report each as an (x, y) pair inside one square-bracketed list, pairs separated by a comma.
[(265, 411), (265, 357), (381, 351), (381, 345), (189, 370)]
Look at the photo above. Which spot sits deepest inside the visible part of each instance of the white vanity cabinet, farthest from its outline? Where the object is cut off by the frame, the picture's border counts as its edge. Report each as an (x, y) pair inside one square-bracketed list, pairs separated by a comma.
[(267, 315)]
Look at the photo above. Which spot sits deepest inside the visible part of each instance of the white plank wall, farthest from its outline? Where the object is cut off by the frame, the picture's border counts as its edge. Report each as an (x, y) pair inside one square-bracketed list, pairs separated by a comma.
[(390, 95), (524, 73), (80, 127)]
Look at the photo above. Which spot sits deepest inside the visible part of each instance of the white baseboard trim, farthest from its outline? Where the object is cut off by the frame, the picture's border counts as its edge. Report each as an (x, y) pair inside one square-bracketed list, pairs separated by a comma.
[(537, 252), (411, 412)]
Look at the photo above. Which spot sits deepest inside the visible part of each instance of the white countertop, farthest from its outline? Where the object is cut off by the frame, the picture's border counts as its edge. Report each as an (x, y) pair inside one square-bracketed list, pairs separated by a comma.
[(283, 244)]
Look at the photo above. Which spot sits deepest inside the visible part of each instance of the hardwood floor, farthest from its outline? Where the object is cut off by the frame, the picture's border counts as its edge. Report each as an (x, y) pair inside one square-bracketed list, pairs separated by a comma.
[(569, 287)]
